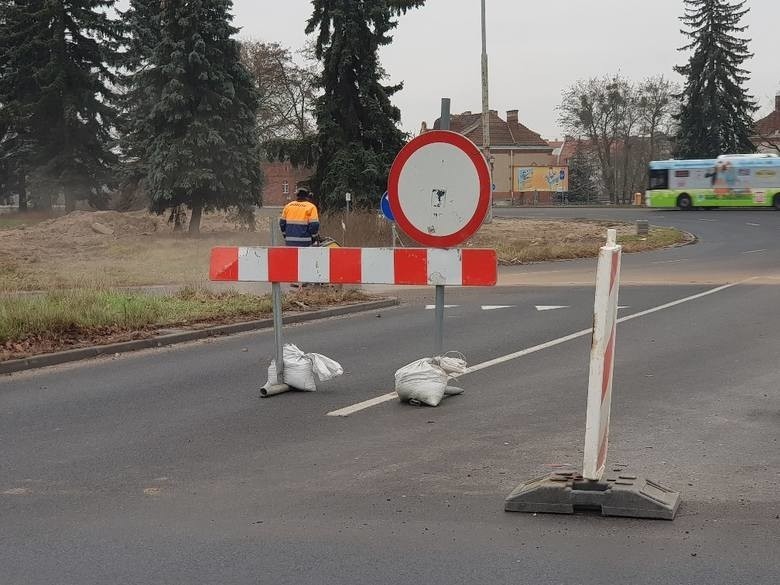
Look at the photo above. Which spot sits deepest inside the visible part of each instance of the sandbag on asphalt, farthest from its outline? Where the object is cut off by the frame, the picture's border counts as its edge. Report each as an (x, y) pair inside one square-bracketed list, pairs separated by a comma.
[(300, 369), (425, 381)]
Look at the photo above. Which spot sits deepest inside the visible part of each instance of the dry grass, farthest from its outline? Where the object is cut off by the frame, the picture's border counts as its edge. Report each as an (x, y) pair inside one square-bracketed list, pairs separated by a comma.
[(32, 324), (531, 240), (16, 220), (68, 253)]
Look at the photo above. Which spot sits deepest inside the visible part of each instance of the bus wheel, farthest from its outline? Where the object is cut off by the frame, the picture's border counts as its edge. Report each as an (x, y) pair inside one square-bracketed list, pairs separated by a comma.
[(684, 202), (777, 201)]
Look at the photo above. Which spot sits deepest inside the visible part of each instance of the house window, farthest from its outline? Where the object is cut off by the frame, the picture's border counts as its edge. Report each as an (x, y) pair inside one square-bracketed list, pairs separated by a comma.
[(286, 188)]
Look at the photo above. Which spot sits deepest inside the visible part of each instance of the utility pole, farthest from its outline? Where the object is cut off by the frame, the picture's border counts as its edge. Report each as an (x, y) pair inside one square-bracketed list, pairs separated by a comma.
[(486, 113)]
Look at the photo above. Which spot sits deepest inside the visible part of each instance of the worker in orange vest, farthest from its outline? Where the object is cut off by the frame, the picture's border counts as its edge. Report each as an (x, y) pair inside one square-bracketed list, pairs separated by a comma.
[(300, 222)]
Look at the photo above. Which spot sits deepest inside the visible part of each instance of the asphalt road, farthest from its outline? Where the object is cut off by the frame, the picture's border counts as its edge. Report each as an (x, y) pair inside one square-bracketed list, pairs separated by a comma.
[(164, 467)]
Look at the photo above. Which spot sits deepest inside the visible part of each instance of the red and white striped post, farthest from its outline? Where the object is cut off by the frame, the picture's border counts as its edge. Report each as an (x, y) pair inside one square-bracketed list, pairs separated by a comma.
[(602, 358)]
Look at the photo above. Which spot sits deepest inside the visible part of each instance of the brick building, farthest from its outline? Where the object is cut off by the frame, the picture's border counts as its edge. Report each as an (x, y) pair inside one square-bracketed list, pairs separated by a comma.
[(517, 153), (767, 137), (280, 182)]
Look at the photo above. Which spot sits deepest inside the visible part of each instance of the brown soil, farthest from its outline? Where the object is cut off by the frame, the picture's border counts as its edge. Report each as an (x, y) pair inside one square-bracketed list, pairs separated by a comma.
[(141, 249)]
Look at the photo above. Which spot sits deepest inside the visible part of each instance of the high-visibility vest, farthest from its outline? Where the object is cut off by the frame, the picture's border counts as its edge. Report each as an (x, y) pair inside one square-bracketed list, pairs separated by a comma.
[(299, 223)]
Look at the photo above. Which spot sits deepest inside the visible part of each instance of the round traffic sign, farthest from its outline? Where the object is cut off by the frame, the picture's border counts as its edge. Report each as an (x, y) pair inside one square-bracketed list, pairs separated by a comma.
[(439, 189), (384, 207)]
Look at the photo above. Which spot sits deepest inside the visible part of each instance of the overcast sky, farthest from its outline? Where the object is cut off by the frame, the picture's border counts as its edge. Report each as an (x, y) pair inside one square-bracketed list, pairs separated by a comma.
[(536, 49)]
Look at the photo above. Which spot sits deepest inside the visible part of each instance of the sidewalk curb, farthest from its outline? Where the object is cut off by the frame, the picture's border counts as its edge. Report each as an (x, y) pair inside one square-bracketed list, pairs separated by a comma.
[(82, 353)]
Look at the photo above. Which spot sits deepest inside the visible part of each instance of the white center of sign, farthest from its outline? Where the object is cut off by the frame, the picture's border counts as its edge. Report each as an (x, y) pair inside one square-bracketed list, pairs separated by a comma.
[(438, 189)]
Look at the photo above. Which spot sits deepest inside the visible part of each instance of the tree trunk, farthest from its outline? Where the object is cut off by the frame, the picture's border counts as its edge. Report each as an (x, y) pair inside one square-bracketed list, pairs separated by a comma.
[(197, 212), (70, 202), (22, 192), (43, 201), (177, 217)]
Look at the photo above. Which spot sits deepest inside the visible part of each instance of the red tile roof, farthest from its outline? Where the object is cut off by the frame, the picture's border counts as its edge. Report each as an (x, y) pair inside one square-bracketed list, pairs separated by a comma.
[(502, 132), (770, 125)]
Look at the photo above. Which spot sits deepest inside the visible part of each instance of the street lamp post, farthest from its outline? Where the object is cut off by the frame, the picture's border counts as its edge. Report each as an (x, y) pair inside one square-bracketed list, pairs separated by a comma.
[(486, 112)]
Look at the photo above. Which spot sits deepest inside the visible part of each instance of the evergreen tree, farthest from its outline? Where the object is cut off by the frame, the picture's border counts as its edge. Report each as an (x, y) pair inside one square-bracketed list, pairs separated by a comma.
[(58, 80), (716, 113), (582, 171), (142, 19), (193, 119), (358, 134), (18, 94)]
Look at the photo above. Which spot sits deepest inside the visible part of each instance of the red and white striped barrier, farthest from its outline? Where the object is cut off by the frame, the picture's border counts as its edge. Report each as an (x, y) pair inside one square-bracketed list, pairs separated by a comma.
[(602, 359), (401, 266)]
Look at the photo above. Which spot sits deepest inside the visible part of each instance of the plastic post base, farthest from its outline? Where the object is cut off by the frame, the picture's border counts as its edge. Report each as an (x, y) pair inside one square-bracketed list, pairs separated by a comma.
[(618, 495)]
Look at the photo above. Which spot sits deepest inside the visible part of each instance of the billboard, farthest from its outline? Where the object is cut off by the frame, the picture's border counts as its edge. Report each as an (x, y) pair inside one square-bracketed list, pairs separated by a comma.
[(549, 179)]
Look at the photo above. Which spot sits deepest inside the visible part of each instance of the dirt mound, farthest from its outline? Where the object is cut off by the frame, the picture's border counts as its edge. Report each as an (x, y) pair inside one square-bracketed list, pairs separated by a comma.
[(131, 223), (89, 223)]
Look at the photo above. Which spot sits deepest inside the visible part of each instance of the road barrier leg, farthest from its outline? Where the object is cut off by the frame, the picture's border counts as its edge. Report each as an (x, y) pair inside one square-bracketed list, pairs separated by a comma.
[(276, 296)]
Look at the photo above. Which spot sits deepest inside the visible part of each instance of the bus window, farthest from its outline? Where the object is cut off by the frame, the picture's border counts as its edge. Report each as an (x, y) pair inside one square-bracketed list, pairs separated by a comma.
[(659, 179)]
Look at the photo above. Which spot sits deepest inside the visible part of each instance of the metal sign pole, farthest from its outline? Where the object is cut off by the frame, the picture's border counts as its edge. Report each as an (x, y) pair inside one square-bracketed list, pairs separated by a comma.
[(444, 124), (439, 339), (276, 299)]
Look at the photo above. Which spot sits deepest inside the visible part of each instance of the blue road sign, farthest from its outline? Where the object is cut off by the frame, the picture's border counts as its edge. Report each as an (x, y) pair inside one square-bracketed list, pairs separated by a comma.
[(384, 207)]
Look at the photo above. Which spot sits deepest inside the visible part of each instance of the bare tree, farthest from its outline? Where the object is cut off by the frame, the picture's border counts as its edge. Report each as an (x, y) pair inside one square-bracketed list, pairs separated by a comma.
[(626, 125), (593, 109), (658, 106), (769, 141), (287, 90)]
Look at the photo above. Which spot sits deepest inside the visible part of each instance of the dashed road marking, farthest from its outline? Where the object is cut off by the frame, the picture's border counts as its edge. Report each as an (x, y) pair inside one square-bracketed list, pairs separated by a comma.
[(755, 251), (670, 261)]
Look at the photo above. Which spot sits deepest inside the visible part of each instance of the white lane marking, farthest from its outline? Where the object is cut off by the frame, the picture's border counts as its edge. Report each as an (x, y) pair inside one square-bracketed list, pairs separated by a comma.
[(518, 354), (347, 410), (432, 307), (669, 261), (624, 307), (551, 307), (496, 307), (755, 251), (753, 224), (702, 219)]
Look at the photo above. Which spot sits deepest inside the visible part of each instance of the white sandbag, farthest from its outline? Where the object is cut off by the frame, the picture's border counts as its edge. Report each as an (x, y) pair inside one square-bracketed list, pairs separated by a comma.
[(298, 369), (273, 376), (324, 367), (421, 382), (454, 365)]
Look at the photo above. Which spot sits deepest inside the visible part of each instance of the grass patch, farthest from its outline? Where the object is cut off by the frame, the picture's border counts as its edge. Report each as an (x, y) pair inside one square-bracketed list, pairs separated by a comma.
[(526, 241), (39, 323)]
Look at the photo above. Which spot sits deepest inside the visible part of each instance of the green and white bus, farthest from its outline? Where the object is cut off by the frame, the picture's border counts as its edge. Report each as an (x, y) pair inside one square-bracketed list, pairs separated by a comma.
[(735, 180)]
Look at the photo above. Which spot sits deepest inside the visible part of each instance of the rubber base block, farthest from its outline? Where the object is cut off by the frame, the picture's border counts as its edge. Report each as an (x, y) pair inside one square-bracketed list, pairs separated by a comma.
[(567, 493)]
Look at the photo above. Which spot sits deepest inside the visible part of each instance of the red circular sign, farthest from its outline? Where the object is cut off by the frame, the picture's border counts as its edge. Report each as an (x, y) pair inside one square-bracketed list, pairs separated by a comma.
[(439, 189)]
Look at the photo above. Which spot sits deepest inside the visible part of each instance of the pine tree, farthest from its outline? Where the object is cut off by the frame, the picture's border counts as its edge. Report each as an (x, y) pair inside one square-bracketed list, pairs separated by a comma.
[(18, 94), (58, 81), (716, 113), (582, 186), (358, 134), (193, 122)]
